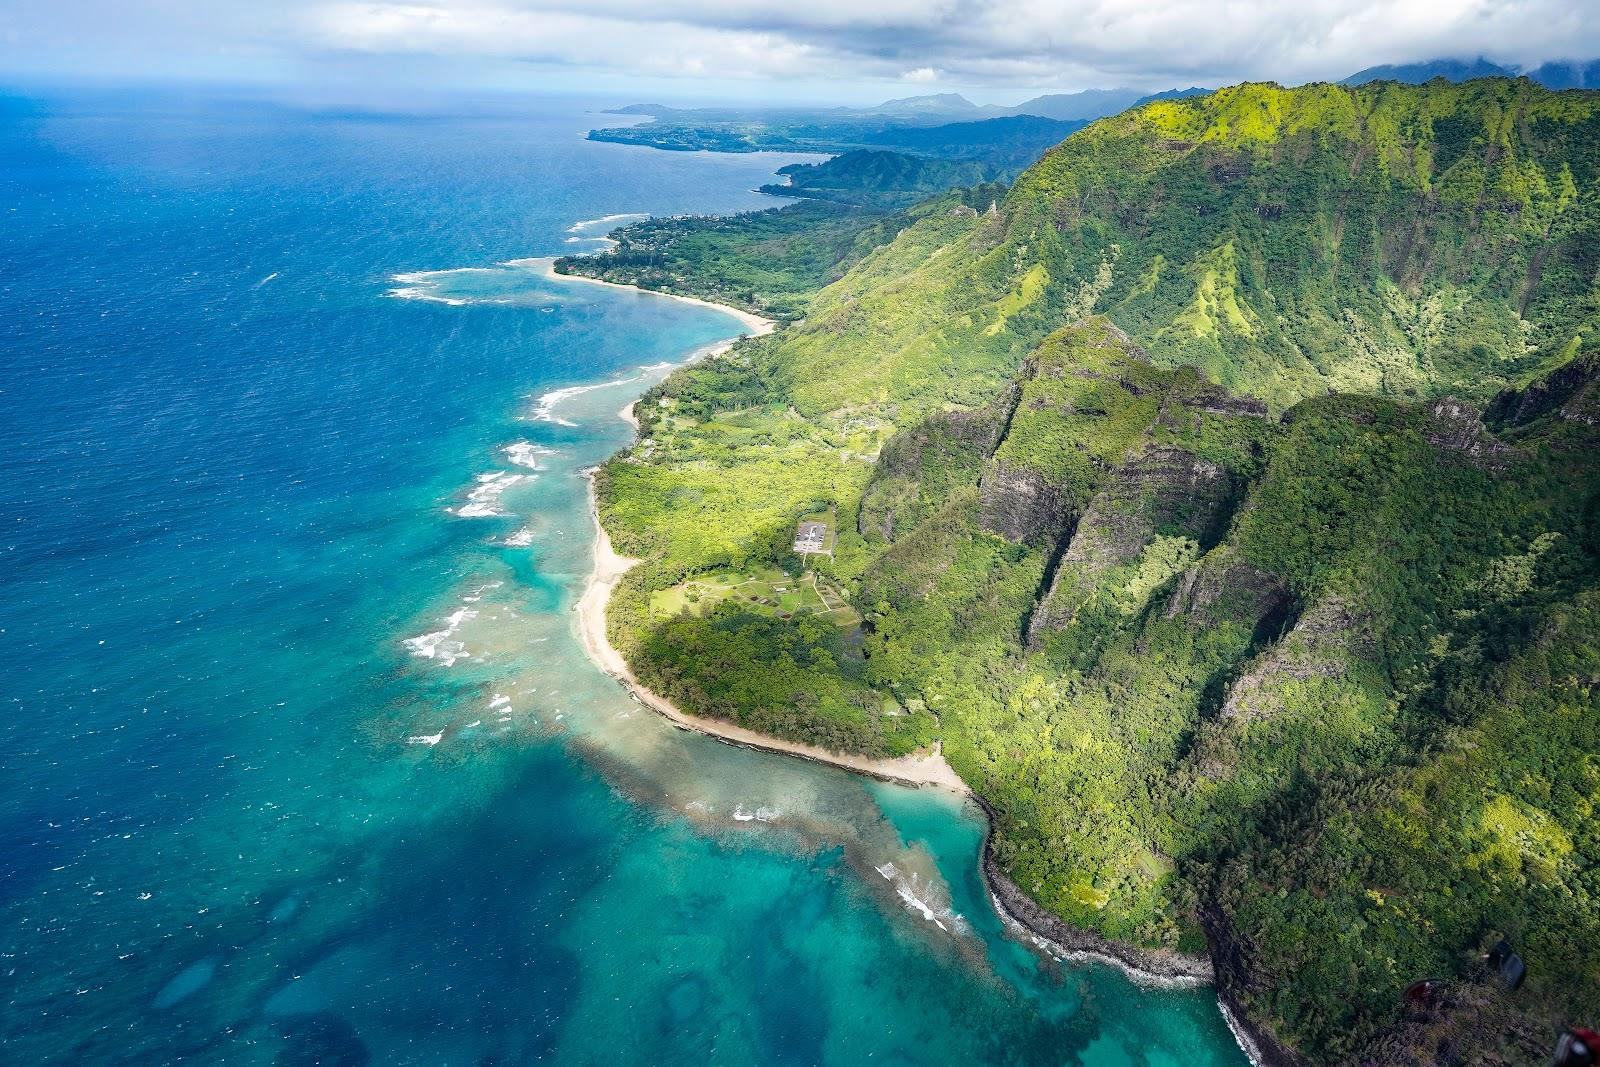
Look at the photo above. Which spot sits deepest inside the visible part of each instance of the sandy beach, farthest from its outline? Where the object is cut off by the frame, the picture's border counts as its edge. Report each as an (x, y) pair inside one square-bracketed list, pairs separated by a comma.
[(1047, 934), (754, 324), (609, 567)]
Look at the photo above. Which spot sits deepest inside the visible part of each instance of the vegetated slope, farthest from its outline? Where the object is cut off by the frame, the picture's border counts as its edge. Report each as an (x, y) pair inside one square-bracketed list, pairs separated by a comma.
[(1304, 680), (1403, 240), (771, 262), (1013, 141), (878, 179)]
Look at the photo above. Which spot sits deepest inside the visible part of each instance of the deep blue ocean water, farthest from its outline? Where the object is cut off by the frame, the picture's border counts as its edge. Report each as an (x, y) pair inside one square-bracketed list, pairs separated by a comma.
[(300, 760)]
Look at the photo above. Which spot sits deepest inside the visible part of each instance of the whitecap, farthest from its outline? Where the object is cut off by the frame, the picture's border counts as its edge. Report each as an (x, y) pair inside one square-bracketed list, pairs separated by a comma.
[(425, 285), (477, 594), (527, 454), (440, 645), (605, 220), (483, 499), (544, 407), (761, 814), (425, 739), (417, 292), (521, 539)]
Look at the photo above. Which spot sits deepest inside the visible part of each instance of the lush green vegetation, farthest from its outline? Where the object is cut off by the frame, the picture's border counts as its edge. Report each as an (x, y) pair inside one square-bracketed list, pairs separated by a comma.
[(769, 262), (883, 180), (1009, 142), (1168, 505)]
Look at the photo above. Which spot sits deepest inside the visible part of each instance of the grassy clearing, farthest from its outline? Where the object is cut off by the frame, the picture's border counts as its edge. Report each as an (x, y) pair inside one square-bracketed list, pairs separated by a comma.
[(768, 592)]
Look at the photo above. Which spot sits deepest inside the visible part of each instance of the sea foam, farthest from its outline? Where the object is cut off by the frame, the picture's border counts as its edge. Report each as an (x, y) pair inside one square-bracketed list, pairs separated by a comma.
[(544, 407), (527, 454), (483, 499), (441, 644), (606, 220)]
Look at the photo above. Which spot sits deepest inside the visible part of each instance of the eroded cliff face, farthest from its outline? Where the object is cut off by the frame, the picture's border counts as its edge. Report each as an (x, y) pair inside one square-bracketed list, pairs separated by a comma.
[(1194, 647), (1021, 505), (1223, 586), (1164, 491), (1571, 393), (918, 468), (1458, 429)]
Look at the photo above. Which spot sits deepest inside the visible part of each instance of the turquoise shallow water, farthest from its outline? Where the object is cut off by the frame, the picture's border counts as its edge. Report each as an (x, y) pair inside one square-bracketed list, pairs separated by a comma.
[(302, 760)]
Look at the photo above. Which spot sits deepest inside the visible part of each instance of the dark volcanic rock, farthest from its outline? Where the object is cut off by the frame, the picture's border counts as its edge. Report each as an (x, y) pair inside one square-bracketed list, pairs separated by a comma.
[(919, 466), (1224, 586), (1571, 392), (1319, 645), (1237, 976), (1162, 965), (1020, 505)]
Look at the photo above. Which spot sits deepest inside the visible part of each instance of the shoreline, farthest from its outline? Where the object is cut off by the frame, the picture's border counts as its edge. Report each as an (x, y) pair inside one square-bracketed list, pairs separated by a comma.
[(1154, 968), (1018, 912), (755, 325), (609, 567)]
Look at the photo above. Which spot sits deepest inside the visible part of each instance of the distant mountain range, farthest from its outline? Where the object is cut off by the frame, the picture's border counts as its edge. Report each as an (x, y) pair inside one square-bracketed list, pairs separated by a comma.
[(1560, 75), (1090, 104), (932, 109)]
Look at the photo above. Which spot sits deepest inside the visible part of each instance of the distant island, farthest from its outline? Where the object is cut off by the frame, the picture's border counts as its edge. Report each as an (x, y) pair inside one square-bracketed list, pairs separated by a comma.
[(1219, 498)]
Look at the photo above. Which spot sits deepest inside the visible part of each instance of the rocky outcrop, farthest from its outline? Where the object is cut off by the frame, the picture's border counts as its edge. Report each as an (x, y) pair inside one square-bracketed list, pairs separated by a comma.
[(918, 467), (1456, 429), (1223, 587), (1318, 646), (1163, 488), (1238, 977), (977, 431), (1154, 966), (1019, 505), (1571, 392)]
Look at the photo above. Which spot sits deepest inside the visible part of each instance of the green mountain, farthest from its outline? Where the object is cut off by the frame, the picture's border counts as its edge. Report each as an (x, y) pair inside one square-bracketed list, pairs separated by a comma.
[(1012, 141), (1555, 75), (1223, 498), (868, 178)]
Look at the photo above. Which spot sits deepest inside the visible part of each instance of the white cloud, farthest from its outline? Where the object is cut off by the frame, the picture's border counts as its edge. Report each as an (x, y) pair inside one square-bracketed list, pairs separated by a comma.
[(1101, 42), (998, 43)]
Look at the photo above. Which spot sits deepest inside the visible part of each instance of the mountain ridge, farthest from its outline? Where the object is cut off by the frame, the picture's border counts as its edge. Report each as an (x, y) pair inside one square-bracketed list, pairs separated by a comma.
[(1224, 499)]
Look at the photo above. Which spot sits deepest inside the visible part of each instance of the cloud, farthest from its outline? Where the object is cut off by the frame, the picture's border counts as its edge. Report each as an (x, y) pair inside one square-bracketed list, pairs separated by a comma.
[(996, 43), (983, 41)]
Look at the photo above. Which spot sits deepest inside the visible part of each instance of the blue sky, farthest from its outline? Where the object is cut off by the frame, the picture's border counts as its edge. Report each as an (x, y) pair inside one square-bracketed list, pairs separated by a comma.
[(768, 50)]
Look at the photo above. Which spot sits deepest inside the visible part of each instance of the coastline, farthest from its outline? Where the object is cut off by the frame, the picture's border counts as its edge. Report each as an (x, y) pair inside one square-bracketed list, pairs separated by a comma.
[(1156, 968), (755, 325), (609, 567), (1029, 922)]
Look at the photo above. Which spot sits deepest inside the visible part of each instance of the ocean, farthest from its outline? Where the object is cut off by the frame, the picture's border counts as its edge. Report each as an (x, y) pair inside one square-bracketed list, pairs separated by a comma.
[(301, 760)]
